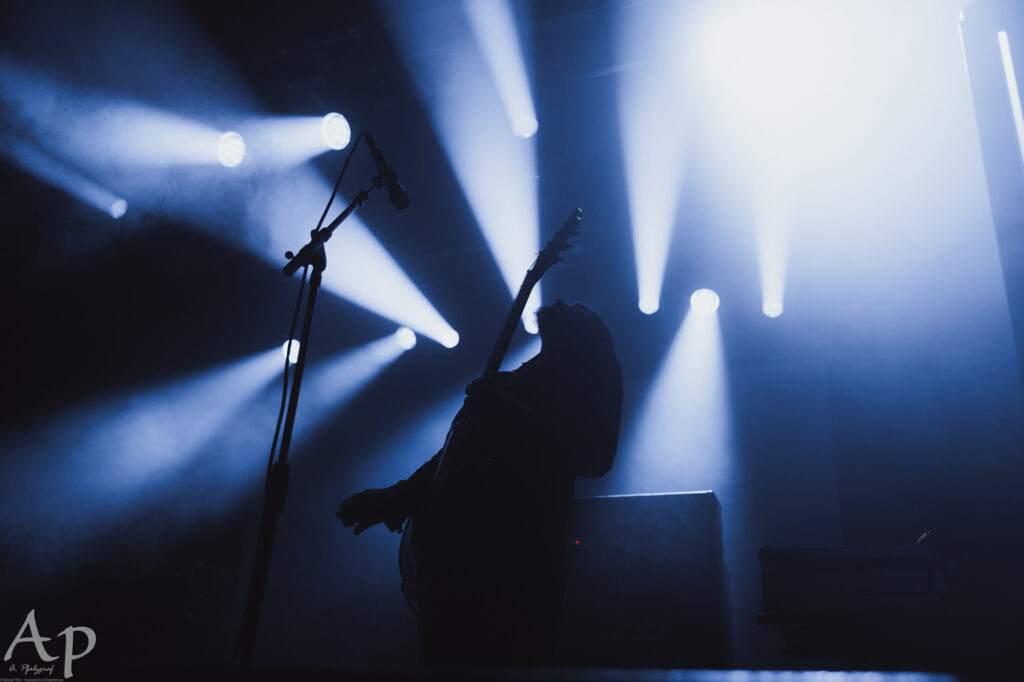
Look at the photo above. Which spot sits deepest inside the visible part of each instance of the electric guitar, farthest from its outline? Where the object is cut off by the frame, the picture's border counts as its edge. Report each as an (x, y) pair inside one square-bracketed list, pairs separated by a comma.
[(409, 550)]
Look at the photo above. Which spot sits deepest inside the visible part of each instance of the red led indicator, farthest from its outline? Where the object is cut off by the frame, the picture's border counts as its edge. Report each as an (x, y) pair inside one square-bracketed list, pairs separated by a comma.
[(577, 542)]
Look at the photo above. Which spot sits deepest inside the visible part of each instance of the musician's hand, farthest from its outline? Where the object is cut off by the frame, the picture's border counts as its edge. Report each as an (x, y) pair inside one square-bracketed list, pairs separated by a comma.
[(373, 506)]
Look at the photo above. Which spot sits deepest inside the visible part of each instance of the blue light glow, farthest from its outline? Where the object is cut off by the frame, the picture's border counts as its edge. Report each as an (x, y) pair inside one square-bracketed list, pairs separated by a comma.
[(282, 141), (359, 268), (334, 383), (496, 171), (118, 208), (103, 461), (406, 338), (680, 438), (494, 28), (653, 134), (230, 149), (336, 131), (58, 174), (649, 306), (1011, 87), (704, 301), (290, 350), (526, 126), (105, 132), (772, 230)]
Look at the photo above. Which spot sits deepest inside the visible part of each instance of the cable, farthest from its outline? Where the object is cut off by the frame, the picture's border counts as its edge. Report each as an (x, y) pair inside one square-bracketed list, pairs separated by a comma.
[(287, 364), (298, 306)]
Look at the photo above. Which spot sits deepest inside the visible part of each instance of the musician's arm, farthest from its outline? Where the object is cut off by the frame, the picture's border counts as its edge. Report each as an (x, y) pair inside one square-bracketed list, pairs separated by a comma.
[(390, 506), (411, 493)]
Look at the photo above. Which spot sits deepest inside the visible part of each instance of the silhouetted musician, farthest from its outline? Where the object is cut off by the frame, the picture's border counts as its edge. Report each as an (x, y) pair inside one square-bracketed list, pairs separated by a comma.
[(490, 526)]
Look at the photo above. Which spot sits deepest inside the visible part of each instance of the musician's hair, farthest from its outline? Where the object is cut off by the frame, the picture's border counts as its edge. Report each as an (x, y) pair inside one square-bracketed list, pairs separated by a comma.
[(588, 327)]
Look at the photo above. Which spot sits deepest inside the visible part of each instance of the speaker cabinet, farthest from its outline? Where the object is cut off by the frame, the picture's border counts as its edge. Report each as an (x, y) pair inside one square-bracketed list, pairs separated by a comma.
[(647, 583)]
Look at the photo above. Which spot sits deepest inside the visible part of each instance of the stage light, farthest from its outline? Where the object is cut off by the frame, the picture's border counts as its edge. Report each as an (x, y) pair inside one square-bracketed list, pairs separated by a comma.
[(496, 33), (103, 134), (652, 134), (1011, 86), (704, 301), (333, 383), (58, 174), (680, 437), (118, 208), (649, 306), (359, 268), (773, 219), (406, 338), (336, 131), (496, 170), (140, 448), (290, 350), (772, 308), (525, 126), (530, 318), (450, 339), (230, 149)]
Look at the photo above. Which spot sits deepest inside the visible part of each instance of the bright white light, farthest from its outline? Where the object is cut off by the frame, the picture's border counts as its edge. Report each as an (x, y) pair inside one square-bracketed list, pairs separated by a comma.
[(334, 382), (59, 174), (230, 149), (130, 448), (1011, 86), (494, 27), (406, 338), (649, 306), (526, 126), (293, 354), (779, 65), (773, 228), (533, 304), (361, 270), (450, 339), (336, 131), (653, 126), (704, 301), (118, 208), (681, 435), (496, 171)]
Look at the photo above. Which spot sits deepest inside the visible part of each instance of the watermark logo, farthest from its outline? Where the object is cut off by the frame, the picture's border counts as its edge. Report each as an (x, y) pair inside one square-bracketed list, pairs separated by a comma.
[(38, 641)]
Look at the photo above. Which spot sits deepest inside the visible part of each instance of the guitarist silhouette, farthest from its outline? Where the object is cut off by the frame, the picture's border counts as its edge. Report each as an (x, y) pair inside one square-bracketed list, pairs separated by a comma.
[(491, 523)]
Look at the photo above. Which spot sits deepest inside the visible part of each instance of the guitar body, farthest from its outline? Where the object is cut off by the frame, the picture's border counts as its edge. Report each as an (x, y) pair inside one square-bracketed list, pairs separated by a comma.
[(455, 469)]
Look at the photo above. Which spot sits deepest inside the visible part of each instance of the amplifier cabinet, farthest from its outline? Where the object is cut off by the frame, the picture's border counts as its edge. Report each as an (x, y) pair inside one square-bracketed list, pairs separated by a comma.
[(646, 583)]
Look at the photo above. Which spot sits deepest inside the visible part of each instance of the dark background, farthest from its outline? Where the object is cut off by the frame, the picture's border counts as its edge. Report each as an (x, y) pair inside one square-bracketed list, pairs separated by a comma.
[(884, 403)]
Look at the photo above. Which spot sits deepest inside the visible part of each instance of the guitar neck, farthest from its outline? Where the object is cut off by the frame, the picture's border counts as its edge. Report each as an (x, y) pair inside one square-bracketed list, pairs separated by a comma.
[(509, 328)]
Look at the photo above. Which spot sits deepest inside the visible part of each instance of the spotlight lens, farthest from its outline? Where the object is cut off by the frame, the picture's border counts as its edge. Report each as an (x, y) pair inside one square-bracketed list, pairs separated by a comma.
[(406, 338), (118, 208), (525, 126), (648, 306), (292, 356), (704, 301), (772, 308), (231, 149), (450, 339), (336, 131)]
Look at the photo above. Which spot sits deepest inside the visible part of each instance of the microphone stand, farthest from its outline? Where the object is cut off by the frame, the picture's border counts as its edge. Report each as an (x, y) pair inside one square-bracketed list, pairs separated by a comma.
[(276, 486)]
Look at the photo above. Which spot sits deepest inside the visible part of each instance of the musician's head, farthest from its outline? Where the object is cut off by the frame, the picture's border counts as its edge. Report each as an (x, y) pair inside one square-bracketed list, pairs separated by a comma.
[(572, 328)]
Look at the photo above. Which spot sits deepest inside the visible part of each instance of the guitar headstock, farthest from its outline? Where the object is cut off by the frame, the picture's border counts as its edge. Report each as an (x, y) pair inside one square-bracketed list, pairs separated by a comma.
[(559, 243)]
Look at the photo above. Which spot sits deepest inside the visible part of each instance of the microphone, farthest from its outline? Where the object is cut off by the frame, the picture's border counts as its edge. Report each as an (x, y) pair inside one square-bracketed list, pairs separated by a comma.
[(396, 193)]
